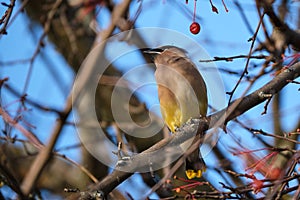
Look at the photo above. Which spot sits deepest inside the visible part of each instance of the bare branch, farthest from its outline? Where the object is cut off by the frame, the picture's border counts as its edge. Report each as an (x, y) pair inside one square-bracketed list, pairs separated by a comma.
[(44, 155), (290, 36), (31, 136), (253, 39), (231, 58), (6, 17), (237, 108)]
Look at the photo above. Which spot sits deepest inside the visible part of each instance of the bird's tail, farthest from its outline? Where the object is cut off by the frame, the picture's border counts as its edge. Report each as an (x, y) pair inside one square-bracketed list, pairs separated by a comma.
[(194, 165)]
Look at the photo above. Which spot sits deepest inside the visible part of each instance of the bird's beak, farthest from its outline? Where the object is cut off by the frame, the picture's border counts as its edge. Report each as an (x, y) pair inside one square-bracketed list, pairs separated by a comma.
[(151, 51)]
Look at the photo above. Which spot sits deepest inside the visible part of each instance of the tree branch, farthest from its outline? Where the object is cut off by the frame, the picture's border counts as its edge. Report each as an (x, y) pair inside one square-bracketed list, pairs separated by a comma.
[(237, 108), (5, 19), (45, 154), (291, 37)]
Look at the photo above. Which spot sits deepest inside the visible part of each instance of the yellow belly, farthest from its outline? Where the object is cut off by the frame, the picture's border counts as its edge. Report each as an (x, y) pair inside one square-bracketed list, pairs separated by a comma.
[(172, 116), (178, 110)]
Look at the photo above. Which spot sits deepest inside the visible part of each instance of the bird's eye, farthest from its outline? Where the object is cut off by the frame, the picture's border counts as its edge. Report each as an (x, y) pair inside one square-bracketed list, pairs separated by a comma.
[(175, 59)]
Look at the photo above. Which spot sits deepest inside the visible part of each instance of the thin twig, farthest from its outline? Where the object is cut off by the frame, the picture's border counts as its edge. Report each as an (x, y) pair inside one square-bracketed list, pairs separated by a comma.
[(82, 168), (255, 131), (253, 39), (231, 58), (29, 135), (7, 16), (14, 92)]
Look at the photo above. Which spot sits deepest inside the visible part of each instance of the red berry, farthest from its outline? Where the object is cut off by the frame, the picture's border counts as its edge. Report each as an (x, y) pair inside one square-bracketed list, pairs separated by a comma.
[(195, 28)]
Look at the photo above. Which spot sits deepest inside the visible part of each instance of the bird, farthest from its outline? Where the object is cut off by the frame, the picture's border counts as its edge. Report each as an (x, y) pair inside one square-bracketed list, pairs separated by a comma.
[(182, 95)]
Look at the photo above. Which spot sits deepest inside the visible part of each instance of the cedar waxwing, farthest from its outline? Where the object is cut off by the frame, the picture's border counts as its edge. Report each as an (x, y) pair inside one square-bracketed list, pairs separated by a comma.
[(182, 95)]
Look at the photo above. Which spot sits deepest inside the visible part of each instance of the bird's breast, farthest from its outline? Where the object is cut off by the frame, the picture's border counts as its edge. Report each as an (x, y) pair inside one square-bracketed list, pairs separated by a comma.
[(177, 96)]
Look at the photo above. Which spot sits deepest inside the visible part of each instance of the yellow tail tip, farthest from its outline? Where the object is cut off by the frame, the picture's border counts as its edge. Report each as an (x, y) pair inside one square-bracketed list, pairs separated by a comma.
[(190, 174)]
